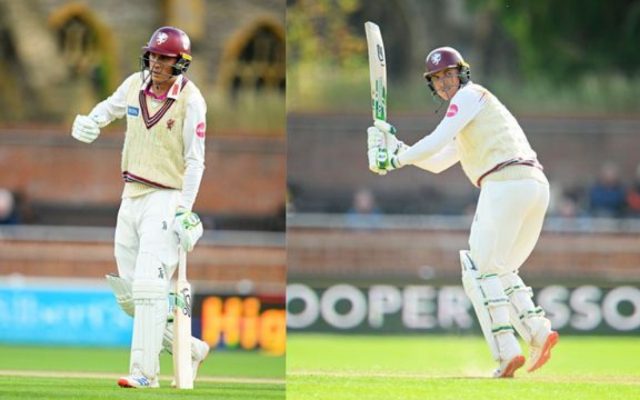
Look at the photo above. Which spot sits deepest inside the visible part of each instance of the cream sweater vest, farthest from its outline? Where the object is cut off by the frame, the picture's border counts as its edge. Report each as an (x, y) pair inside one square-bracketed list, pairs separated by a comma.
[(152, 157), (492, 137)]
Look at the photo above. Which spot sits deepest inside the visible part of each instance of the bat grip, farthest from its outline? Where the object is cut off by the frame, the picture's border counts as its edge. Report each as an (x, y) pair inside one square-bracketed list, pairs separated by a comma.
[(382, 158), (182, 264)]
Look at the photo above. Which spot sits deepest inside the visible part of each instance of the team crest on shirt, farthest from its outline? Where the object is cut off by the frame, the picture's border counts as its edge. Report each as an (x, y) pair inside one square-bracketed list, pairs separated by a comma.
[(452, 110), (170, 123), (133, 111)]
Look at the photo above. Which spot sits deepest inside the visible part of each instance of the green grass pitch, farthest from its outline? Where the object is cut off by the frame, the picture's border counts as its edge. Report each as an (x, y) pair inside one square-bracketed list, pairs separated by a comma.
[(90, 373), (455, 367)]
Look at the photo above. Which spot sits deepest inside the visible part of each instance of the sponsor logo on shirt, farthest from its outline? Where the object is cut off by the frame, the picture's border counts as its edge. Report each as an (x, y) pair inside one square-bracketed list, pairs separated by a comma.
[(175, 89), (133, 111), (200, 130), (452, 110)]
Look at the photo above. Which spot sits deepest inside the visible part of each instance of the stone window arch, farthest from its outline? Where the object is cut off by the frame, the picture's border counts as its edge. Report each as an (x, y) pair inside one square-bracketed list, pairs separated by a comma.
[(86, 45), (254, 60), (12, 91)]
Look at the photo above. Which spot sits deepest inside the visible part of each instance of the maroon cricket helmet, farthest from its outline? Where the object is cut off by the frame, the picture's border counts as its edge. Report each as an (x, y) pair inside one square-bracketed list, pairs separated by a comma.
[(444, 58), (171, 42)]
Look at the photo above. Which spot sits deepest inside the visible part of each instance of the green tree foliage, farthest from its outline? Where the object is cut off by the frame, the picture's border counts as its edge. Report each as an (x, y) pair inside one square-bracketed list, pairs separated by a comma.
[(569, 38), (318, 32)]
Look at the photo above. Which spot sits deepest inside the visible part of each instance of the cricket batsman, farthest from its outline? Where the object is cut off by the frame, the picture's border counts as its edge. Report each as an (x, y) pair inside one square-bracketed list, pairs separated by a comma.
[(479, 132), (162, 166)]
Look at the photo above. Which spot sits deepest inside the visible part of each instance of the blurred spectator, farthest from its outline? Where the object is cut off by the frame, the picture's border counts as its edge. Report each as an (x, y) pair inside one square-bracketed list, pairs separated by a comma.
[(633, 196), (565, 202), (567, 207), (607, 195), (290, 206), (8, 208), (363, 214)]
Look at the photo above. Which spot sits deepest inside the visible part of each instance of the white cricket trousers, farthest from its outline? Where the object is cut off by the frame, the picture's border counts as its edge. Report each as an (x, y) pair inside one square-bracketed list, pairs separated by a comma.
[(144, 236), (507, 223), (146, 250)]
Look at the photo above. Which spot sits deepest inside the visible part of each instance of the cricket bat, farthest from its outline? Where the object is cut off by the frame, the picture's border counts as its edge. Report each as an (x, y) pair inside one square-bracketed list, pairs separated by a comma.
[(182, 367), (377, 79)]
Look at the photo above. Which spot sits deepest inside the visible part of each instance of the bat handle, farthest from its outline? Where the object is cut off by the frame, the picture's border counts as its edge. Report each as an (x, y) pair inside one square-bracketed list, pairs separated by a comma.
[(383, 154), (182, 264)]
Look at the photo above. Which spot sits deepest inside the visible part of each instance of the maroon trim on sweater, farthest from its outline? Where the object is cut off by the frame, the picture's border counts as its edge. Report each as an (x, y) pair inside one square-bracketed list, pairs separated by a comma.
[(150, 121), (514, 161), (129, 177)]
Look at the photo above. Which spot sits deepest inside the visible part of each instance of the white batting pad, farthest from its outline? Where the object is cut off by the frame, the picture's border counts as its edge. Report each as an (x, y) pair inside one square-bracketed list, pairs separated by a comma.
[(124, 296), (148, 325), (525, 316), (491, 306), (123, 293)]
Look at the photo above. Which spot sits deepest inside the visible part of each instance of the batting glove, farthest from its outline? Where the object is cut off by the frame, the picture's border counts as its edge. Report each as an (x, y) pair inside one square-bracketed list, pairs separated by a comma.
[(85, 129), (376, 150), (385, 127), (392, 163), (393, 146), (188, 227)]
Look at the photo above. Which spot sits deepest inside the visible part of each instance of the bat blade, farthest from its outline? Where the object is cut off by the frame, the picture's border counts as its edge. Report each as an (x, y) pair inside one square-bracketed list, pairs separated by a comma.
[(378, 81), (182, 367), (377, 71)]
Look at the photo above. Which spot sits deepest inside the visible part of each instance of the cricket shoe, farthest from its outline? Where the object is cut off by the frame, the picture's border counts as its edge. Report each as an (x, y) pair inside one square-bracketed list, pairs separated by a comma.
[(508, 367), (198, 355), (540, 354), (138, 382)]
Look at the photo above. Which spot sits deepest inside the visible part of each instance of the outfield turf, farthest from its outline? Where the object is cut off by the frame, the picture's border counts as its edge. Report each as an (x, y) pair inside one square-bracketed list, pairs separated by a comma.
[(89, 373), (457, 368)]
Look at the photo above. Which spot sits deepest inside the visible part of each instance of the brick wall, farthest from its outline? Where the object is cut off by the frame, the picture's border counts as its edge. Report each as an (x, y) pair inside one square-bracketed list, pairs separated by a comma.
[(327, 159), (397, 255), (243, 174), (221, 265)]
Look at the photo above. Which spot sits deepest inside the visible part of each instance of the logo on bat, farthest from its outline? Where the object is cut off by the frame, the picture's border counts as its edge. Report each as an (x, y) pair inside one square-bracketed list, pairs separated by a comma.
[(379, 100), (186, 302), (380, 53)]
